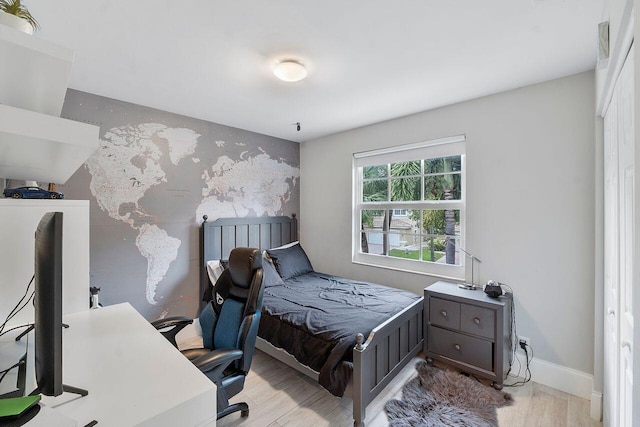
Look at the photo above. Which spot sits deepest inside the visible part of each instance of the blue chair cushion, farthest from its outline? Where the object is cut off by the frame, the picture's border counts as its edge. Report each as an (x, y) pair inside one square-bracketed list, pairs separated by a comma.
[(208, 320), (228, 325)]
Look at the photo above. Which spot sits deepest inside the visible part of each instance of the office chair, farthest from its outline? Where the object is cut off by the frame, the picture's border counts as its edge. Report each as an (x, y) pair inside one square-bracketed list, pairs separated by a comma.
[(229, 328)]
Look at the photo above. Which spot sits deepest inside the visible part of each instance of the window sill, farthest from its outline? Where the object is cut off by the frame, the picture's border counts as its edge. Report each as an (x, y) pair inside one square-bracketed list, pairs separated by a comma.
[(446, 272)]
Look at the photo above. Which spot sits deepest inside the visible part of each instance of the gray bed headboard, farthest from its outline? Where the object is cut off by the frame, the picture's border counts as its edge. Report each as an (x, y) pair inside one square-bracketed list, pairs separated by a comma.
[(219, 237)]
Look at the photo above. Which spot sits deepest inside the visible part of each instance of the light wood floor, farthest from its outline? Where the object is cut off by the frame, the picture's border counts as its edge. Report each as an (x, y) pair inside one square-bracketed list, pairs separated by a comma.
[(280, 396)]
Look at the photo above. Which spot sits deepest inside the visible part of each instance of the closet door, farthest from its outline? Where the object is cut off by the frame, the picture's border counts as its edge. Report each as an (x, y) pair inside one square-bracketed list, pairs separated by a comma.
[(626, 178), (611, 264), (619, 176)]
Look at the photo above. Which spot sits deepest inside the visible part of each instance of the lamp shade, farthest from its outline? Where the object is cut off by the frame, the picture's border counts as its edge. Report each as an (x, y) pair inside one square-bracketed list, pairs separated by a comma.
[(290, 71)]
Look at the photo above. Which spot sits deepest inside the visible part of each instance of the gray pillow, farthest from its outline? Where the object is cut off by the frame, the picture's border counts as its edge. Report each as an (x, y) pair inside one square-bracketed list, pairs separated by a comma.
[(271, 276), (290, 262)]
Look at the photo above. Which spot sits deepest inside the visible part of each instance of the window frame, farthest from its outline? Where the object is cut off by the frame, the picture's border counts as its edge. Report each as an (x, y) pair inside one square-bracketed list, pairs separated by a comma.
[(444, 147)]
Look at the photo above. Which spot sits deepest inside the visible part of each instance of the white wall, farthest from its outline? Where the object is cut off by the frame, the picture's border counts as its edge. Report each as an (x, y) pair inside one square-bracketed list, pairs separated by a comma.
[(530, 204), (18, 222)]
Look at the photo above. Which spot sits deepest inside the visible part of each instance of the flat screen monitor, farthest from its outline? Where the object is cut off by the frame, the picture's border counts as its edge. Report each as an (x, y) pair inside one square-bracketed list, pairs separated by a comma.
[(48, 304)]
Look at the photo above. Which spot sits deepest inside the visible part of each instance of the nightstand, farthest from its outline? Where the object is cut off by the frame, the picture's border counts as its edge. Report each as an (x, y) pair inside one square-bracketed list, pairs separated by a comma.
[(468, 330)]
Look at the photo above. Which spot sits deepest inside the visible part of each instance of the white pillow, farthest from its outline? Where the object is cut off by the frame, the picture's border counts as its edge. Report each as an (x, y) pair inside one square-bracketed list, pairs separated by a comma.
[(214, 270), (288, 245), (266, 257)]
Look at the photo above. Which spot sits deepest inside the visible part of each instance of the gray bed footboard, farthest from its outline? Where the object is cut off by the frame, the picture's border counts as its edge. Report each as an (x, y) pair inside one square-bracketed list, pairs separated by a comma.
[(388, 349)]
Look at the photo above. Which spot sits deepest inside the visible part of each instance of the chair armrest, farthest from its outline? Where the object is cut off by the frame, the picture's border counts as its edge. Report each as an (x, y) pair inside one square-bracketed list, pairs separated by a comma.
[(214, 363), (172, 321), (176, 323)]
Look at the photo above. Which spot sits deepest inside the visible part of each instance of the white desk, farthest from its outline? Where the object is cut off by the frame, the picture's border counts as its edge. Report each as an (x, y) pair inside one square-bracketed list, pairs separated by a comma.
[(134, 376)]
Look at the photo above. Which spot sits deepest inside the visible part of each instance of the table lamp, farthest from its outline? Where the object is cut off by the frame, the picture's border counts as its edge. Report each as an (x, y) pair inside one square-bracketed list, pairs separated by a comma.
[(471, 286)]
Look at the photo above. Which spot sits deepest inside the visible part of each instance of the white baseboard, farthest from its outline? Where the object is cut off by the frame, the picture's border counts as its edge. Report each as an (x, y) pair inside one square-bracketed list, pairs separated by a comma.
[(596, 405), (565, 379), (562, 378)]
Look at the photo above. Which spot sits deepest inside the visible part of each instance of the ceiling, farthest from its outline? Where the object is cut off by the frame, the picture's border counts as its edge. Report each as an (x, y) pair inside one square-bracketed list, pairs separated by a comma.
[(368, 60)]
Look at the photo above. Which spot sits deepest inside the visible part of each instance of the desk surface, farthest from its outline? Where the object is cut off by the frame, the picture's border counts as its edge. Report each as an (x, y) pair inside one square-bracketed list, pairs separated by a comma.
[(134, 376)]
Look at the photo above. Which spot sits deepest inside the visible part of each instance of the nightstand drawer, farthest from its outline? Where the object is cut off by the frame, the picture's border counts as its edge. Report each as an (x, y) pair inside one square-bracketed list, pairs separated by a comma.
[(444, 313), (477, 320), (461, 348)]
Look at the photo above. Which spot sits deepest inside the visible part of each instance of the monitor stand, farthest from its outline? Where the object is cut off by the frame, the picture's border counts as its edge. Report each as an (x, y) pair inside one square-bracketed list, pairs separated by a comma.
[(66, 389)]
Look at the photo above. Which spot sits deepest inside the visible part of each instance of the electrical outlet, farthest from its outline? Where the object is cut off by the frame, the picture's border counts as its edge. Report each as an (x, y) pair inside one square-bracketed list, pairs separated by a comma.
[(523, 341)]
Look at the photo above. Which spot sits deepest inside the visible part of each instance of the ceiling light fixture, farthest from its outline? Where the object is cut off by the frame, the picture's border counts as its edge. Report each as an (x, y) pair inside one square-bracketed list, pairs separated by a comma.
[(290, 71)]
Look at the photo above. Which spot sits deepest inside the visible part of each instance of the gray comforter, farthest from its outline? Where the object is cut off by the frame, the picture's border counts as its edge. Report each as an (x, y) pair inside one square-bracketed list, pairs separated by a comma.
[(315, 317)]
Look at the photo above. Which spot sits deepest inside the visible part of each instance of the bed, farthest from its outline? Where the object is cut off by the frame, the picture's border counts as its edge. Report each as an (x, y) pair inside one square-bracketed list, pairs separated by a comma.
[(370, 350)]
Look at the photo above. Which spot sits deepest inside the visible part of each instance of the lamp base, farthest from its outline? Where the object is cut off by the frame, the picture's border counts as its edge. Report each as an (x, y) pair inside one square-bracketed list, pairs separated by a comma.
[(468, 286)]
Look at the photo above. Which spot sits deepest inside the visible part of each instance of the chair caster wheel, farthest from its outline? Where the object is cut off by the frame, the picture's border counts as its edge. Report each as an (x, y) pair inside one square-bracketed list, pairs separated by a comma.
[(244, 414)]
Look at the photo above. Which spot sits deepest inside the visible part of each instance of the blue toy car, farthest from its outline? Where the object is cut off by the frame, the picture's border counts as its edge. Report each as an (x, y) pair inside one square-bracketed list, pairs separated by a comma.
[(31, 193)]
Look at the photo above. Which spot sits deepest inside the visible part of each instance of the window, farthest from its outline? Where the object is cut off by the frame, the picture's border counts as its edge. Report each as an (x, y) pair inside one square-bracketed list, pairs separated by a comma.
[(409, 207)]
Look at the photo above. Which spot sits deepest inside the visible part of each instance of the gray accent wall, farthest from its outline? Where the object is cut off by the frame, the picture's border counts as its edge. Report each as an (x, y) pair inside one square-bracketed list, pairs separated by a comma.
[(152, 178), (530, 205)]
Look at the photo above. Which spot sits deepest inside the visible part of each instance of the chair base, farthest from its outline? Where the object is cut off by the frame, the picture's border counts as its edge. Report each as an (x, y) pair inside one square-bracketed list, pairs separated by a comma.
[(242, 407)]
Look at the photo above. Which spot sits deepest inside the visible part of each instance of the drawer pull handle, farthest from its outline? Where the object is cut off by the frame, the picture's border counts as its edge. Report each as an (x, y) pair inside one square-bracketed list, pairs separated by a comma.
[(444, 313), (456, 346), (476, 320)]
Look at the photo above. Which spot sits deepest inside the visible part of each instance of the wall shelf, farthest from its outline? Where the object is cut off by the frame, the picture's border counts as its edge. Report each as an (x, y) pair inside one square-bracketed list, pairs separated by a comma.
[(35, 73), (39, 147), (35, 143)]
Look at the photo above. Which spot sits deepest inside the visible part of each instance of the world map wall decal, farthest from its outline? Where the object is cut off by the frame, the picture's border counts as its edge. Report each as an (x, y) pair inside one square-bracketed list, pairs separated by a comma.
[(156, 174)]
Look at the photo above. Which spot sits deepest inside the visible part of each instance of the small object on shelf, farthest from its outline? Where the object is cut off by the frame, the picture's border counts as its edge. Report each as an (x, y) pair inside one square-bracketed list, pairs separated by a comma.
[(16, 15), (93, 301), (31, 193)]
